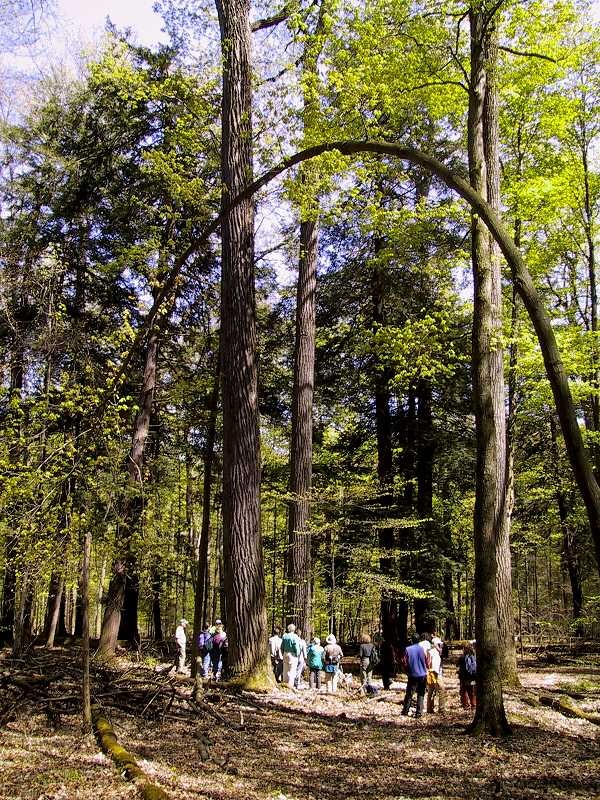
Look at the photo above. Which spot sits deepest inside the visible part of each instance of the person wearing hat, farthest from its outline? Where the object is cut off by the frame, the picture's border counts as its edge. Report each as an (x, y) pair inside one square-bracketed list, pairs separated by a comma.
[(180, 642), (332, 658)]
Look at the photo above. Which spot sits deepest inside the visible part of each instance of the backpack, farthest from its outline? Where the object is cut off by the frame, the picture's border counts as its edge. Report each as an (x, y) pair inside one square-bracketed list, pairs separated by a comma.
[(205, 642), (374, 658), (471, 666), (290, 644), (332, 659), (218, 640), (445, 650)]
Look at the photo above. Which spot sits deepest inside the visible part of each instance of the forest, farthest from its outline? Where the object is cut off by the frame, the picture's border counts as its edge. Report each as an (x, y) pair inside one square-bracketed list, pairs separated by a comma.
[(299, 326)]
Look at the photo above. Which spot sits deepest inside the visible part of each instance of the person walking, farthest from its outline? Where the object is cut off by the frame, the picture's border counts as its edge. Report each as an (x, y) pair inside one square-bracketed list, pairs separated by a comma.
[(314, 659), (219, 646), (467, 675), (276, 654), (204, 648), (333, 658), (365, 656), (180, 642), (301, 660), (415, 662), (290, 648)]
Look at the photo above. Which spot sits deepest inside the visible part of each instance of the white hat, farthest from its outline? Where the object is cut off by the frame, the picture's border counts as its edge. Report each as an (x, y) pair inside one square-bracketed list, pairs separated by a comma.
[(183, 622), (330, 639), (218, 622)]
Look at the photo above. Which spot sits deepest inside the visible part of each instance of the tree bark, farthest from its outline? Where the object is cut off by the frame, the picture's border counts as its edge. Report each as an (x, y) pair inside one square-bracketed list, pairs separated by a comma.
[(85, 641), (242, 541), (488, 398), (55, 594), (299, 557), (490, 122)]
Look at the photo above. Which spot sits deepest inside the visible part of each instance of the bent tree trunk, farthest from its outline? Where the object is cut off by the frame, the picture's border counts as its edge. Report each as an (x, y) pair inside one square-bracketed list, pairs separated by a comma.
[(555, 370), (242, 541)]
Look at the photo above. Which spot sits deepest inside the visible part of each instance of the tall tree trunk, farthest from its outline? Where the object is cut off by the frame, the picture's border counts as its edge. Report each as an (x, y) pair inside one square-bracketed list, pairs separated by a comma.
[(488, 398), (301, 446), (242, 541), (507, 652), (299, 557), (424, 473), (393, 611), (13, 431), (85, 637)]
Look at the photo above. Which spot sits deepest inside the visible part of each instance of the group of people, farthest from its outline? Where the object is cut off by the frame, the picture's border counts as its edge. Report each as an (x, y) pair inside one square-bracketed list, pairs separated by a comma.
[(212, 649), (422, 661), (290, 654)]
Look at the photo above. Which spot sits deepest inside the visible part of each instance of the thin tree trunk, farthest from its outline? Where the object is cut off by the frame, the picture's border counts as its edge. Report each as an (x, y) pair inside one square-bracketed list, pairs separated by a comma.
[(85, 642), (156, 594), (200, 609), (55, 595), (569, 551)]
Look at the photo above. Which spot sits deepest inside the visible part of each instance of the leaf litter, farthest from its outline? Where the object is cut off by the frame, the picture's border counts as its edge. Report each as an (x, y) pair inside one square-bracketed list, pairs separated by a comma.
[(287, 745)]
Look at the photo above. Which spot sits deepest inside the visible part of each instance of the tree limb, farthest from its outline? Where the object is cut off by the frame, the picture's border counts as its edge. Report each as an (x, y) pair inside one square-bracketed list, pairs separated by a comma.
[(526, 54)]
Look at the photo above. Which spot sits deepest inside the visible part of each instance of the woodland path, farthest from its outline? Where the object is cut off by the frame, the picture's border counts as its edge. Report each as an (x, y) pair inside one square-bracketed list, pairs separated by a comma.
[(305, 747)]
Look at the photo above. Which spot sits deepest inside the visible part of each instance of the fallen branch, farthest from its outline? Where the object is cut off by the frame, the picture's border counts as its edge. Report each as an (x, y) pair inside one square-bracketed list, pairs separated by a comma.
[(569, 708), (122, 758)]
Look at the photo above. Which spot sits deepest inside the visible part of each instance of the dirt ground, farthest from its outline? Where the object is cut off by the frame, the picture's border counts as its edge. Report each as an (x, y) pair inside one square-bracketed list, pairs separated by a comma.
[(307, 746)]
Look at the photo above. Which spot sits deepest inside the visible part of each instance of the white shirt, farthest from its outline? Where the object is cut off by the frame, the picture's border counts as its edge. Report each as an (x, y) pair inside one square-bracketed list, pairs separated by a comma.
[(436, 660), (180, 636), (275, 646)]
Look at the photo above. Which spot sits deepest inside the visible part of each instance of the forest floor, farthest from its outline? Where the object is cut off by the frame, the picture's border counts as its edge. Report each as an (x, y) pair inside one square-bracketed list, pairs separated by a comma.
[(302, 746)]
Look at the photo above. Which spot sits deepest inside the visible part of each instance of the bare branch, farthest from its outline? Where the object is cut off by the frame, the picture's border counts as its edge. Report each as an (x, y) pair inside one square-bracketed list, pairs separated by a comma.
[(526, 54)]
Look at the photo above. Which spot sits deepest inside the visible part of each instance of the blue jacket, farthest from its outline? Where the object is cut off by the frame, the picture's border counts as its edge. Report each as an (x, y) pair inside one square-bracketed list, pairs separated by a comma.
[(417, 664)]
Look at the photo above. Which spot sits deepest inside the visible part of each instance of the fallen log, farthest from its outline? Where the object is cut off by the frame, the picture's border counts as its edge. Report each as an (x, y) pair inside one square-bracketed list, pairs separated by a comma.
[(563, 704), (569, 708), (122, 758)]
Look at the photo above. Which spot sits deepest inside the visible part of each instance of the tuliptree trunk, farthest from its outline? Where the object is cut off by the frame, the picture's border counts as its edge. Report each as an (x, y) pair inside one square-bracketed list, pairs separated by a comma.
[(508, 653), (299, 556), (488, 398), (242, 541)]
